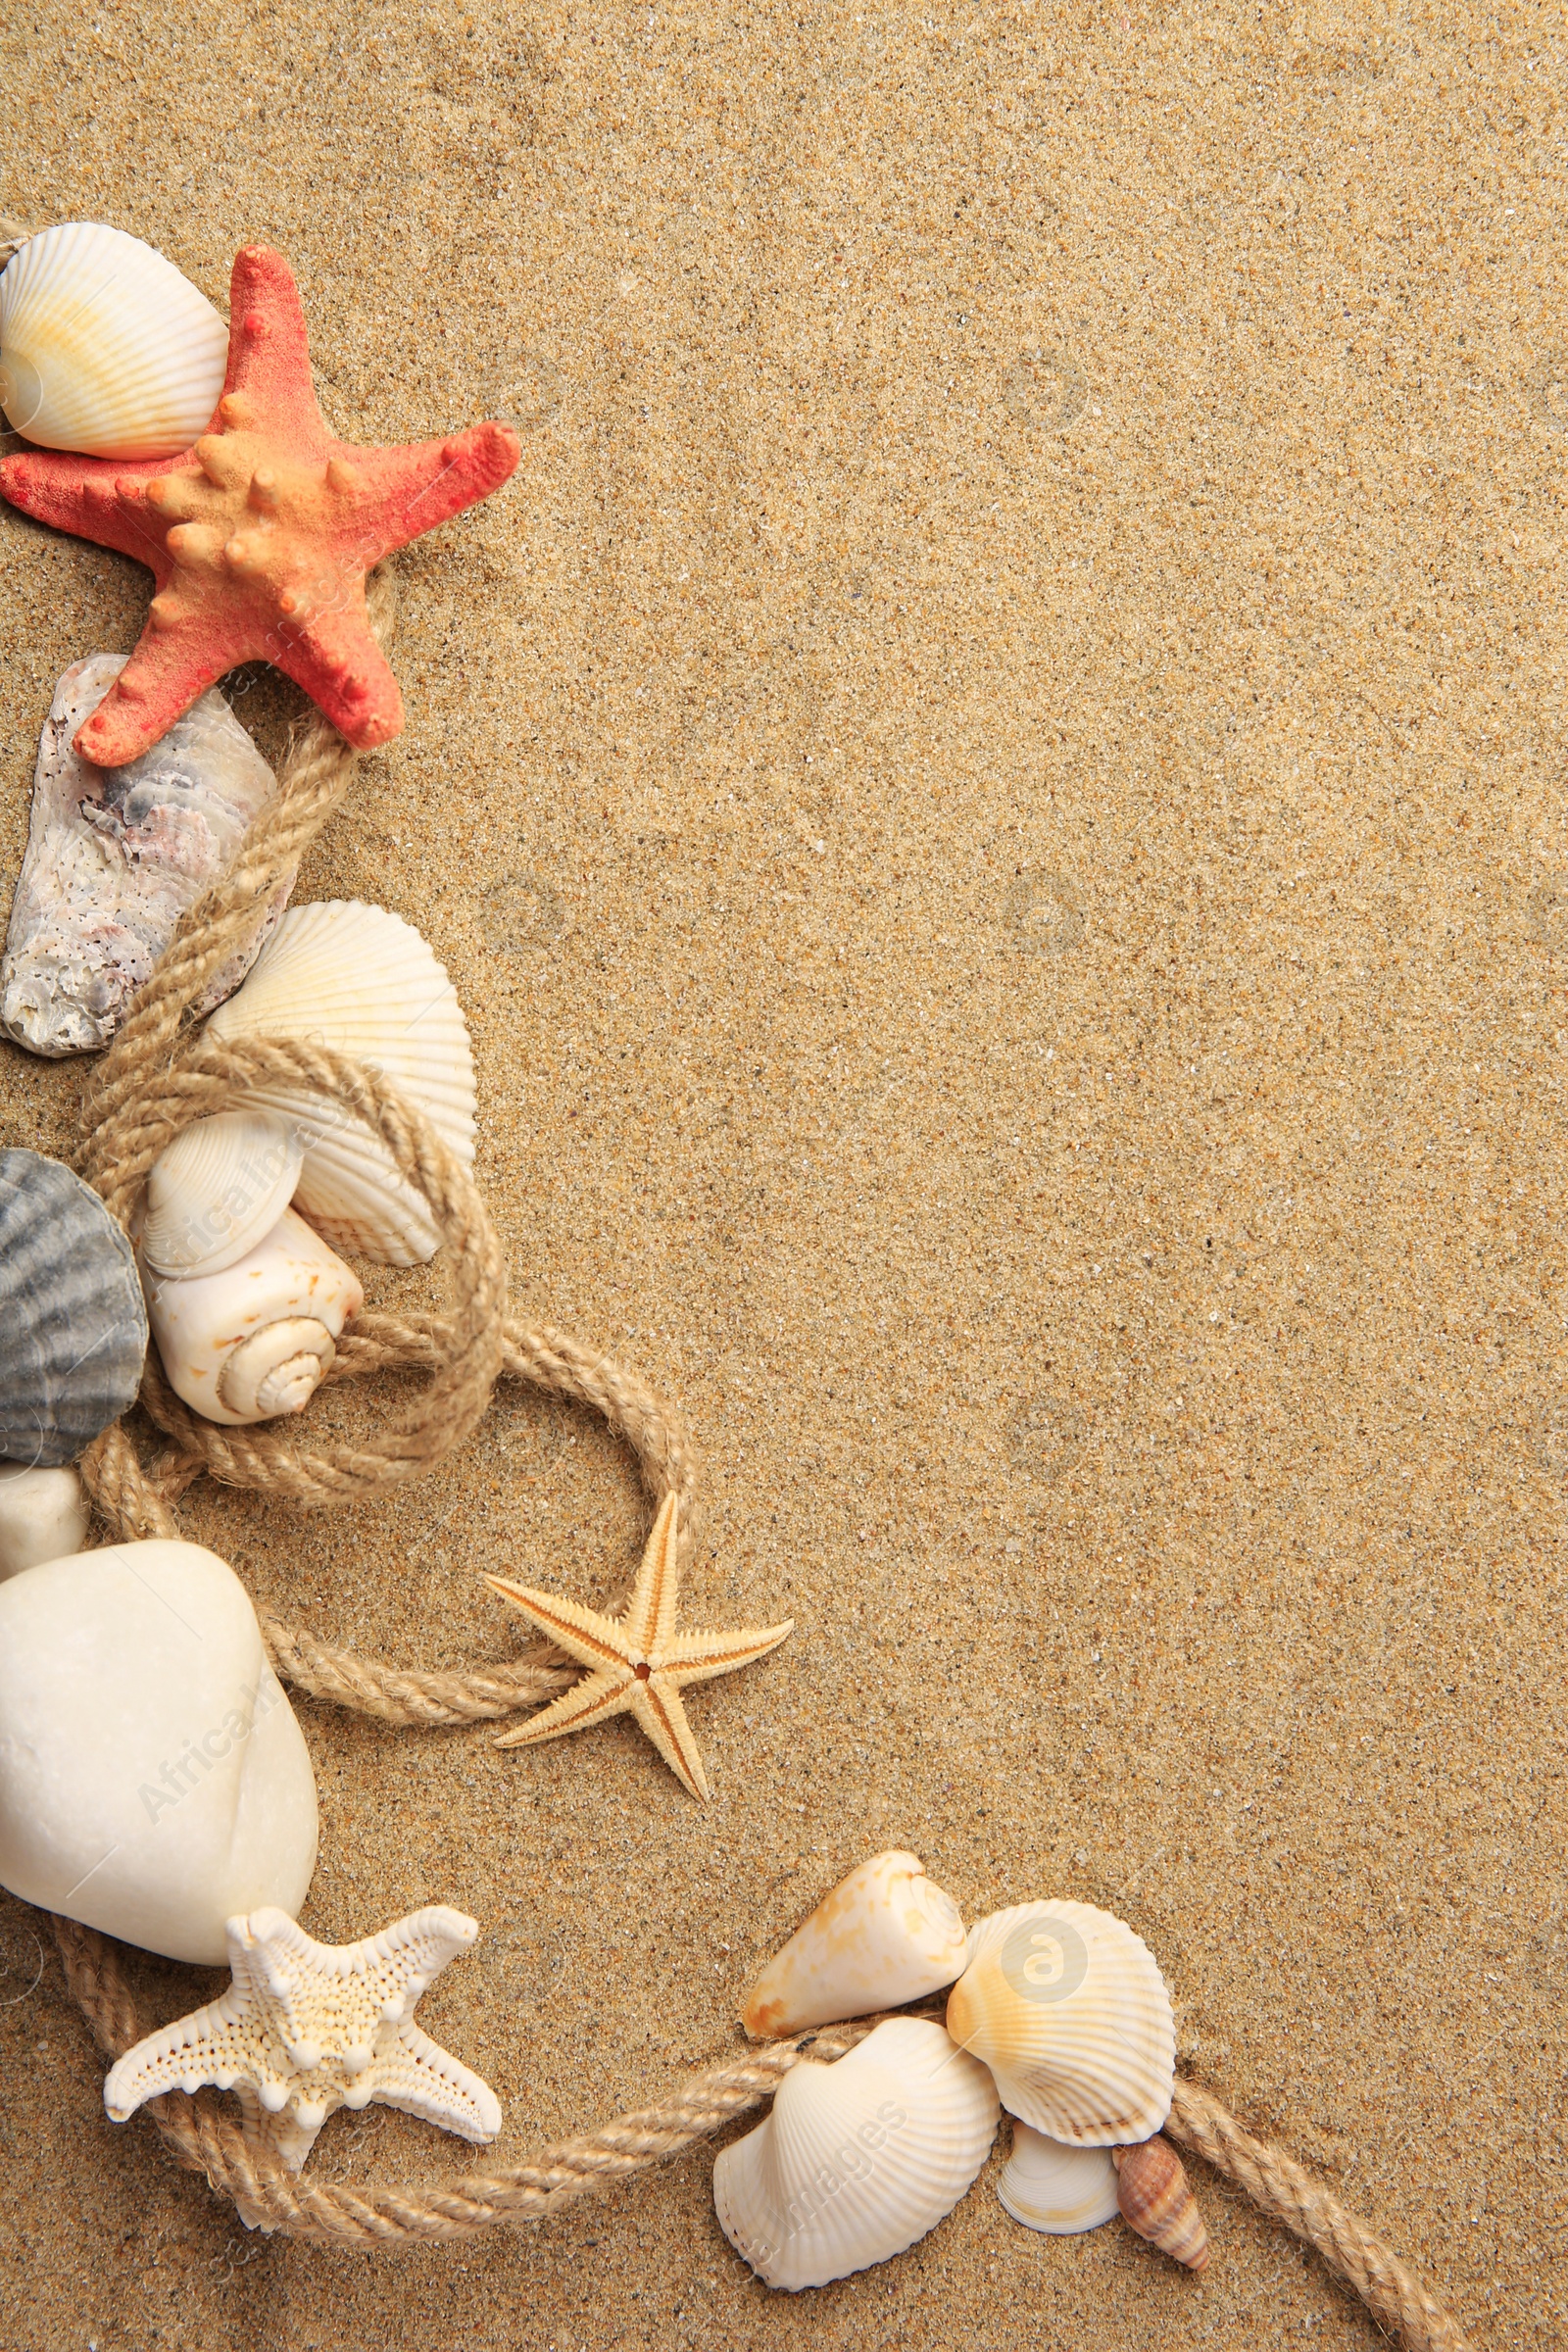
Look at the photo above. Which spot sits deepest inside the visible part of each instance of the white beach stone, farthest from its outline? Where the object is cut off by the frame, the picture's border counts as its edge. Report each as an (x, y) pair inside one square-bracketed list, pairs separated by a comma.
[(153, 1780), (43, 1515), (115, 855)]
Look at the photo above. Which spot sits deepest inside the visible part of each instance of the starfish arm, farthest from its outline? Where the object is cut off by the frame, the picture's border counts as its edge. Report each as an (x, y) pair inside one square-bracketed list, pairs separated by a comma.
[(269, 352), (418, 2075), (169, 669), (595, 1699), (341, 667), (658, 1708), (592, 1639), (698, 1657), (650, 1618), (215, 2045), (95, 498), (399, 494)]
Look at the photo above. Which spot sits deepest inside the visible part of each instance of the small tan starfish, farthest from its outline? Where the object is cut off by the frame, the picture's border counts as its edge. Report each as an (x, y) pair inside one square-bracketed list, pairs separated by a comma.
[(638, 1663)]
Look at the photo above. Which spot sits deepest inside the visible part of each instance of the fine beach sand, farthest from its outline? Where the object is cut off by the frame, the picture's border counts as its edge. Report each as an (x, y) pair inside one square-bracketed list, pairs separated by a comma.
[(993, 792)]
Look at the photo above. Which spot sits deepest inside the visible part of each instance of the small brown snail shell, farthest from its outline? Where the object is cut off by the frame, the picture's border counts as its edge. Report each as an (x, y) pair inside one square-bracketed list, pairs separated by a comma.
[(1157, 2200)]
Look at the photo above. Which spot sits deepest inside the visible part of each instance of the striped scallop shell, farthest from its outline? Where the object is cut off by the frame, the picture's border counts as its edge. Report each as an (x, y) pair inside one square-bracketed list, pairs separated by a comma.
[(221, 1185), (1068, 2009), (1059, 2190), (105, 347), (72, 1325), (859, 2160), (363, 982)]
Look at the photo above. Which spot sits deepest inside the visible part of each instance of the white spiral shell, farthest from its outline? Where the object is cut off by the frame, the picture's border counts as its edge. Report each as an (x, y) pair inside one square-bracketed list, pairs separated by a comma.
[(856, 2160), (363, 982), (104, 347)]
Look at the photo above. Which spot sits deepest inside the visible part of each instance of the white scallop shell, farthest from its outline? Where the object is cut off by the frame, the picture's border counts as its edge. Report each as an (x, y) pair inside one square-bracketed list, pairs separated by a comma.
[(883, 1937), (856, 2160), (1067, 2007), (221, 1185), (256, 1339), (362, 981), (105, 347), (1058, 2190)]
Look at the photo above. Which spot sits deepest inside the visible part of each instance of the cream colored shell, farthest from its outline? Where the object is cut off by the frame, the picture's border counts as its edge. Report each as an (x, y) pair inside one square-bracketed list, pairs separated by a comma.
[(362, 981), (883, 1937), (859, 2160), (1068, 2009), (1058, 2190), (256, 1339), (104, 347), (219, 1189)]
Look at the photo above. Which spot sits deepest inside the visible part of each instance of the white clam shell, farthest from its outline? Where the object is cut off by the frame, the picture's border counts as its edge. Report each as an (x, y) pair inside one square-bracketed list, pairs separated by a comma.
[(219, 1189), (859, 2160), (153, 1778), (1055, 2188), (254, 1339), (363, 982), (884, 1936), (104, 347), (1067, 2007)]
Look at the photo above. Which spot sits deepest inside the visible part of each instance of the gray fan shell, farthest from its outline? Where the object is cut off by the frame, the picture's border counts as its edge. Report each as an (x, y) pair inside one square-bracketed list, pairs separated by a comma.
[(72, 1321)]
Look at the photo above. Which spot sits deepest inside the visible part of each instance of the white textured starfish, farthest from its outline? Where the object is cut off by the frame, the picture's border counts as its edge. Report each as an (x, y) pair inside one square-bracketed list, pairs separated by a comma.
[(307, 2028)]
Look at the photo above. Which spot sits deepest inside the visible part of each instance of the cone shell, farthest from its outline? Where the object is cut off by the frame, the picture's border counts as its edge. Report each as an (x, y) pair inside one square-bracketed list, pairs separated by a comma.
[(256, 1339), (1068, 2009), (883, 1937), (859, 2160), (1055, 2188), (1157, 2200), (219, 1189), (104, 347), (72, 1326), (363, 982)]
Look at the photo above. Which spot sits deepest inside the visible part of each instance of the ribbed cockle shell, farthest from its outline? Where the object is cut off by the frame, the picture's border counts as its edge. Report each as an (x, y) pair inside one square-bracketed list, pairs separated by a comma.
[(363, 982), (856, 2160), (883, 1937), (104, 347), (219, 1189), (1068, 2009), (72, 1326)]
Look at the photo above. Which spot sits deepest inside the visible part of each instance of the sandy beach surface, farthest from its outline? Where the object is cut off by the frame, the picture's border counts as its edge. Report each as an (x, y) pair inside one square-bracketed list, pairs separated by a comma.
[(993, 792)]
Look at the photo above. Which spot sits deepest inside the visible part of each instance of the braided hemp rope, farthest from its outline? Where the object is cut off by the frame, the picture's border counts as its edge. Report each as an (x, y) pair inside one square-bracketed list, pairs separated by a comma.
[(205, 2138), (152, 1083)]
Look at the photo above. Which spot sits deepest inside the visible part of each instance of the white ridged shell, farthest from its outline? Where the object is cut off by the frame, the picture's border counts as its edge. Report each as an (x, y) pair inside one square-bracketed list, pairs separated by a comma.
[(362, 981), (1068, 2009), (104, 347), (1058, 2190), (219, 1189), (859, 2160), (884, 1936)]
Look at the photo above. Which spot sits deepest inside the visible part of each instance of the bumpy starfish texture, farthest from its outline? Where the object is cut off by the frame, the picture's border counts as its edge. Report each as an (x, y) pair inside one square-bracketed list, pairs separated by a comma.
[(307, 2028), (261, 536), (638, 1663)]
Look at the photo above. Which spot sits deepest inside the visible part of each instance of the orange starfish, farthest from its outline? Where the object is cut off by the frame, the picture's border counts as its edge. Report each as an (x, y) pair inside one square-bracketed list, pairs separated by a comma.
[(261, 536)]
